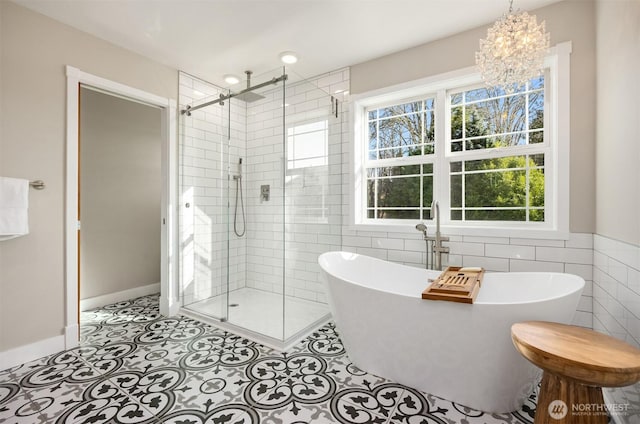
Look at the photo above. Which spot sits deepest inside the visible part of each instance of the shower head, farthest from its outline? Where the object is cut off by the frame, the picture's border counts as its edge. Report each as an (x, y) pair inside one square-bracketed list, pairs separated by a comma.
[(422, 227), (247, 95)]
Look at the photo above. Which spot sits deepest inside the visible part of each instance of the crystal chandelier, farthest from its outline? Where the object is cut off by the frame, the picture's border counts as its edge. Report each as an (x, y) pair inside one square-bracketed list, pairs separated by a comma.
[(514, 50)]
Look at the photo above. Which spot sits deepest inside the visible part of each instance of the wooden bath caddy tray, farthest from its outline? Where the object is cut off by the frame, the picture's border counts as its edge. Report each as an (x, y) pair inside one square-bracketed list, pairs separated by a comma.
[(455, 284)]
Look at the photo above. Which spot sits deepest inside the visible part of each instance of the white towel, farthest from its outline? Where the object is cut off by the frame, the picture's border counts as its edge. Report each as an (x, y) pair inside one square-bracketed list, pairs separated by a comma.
[(14, 207)]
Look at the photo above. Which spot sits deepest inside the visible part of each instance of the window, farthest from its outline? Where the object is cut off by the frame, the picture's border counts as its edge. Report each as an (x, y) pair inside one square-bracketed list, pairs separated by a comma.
[(306, 180), (488, 126), (399, 169), (308, 145), (493, 160)]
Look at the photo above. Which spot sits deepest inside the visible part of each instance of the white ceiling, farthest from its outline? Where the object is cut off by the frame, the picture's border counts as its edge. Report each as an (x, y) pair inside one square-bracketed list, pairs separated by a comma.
[(209, 38)]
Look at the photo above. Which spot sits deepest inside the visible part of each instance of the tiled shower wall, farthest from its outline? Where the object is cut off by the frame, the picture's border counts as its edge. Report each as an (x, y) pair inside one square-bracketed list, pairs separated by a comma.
[(203, 187), (309, 222)]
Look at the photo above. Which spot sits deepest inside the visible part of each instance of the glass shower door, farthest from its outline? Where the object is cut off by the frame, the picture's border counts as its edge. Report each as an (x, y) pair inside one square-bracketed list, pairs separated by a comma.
[(313, 204), (204, 141), (256, 258)]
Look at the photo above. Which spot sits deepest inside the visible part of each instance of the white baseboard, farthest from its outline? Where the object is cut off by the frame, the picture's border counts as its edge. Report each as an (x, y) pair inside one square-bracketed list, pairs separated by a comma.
[(106, 299), (71, 336), (23, 354)]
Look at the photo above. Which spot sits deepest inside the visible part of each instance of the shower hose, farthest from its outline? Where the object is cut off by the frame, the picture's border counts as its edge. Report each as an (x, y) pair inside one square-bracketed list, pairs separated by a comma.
[(235, 212)]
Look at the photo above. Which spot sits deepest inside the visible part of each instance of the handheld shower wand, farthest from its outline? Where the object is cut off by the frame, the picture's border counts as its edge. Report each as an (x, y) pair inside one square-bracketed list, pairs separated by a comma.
[(421, 227), (238, 179)]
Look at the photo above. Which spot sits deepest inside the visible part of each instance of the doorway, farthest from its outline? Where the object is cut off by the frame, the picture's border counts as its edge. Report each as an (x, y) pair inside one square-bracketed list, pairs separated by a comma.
[(119, 198), (166, 219)]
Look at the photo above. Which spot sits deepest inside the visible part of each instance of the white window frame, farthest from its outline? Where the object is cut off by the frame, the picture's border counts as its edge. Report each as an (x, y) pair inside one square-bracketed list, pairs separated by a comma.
[(557, 140)]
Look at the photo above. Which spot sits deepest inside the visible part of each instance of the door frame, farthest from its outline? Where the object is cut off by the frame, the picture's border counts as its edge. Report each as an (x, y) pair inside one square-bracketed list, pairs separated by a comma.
[(169, 303)]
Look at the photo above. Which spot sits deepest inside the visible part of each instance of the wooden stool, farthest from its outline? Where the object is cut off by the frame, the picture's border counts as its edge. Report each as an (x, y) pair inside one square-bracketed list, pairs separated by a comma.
[(577, 363)]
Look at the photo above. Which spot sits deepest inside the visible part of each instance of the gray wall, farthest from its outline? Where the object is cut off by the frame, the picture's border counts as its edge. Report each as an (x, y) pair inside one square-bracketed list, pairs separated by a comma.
[(120, 188), (566, 21), (34, 52), (616, 275), (618, 128)]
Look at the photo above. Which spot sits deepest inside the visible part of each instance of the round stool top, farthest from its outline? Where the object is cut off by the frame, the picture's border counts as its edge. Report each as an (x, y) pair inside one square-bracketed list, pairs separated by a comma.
[(584, 355)]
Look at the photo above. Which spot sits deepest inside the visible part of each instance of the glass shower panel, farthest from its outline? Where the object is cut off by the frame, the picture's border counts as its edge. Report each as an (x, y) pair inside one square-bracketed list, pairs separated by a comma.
[(260, 181), (313, 211), (204, 140), (258, 304)]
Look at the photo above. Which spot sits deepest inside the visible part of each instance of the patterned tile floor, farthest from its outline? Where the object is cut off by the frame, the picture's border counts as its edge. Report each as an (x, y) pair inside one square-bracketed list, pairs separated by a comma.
[(135, 366)]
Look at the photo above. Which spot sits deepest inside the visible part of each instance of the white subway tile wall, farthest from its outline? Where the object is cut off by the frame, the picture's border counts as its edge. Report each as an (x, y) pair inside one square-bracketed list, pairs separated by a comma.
[(303, 215), (203, 189), (616, 289), (311, 216), (493, 253), (616, 308), (316, 202)]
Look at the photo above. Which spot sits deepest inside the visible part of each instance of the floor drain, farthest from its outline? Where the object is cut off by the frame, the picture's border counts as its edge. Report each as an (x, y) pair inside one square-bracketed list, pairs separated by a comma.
[(233, 305)]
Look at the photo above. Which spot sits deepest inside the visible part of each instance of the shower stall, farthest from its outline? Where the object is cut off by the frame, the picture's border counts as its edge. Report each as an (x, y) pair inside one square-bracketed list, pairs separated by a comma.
[(260, 190)]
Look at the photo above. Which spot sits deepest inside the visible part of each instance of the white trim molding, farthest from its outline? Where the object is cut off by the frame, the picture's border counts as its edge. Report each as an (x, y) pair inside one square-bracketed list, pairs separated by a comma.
[(556, 149), (168, 288), (23, 354), (106, 299)]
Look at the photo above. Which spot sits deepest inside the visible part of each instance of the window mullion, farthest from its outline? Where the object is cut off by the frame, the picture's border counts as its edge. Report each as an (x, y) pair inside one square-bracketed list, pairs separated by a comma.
[(526, 190), (422, 141), (527, 121), (441, 178)]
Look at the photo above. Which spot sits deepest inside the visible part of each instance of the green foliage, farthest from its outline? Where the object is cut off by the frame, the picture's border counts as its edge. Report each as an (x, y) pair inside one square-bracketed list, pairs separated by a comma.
[(497, 183), (500, 183)]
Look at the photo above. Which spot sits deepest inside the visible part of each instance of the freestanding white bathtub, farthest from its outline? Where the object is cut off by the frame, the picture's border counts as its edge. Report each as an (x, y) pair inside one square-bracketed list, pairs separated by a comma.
[(461, 352)]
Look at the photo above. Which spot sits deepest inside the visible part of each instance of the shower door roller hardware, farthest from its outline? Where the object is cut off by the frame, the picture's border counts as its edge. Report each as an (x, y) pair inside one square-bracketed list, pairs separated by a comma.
[(187, 205), (265, 191)]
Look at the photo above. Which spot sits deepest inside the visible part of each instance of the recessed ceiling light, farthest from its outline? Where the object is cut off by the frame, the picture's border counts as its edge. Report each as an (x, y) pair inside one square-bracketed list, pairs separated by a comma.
[(231, 79), (288, 57)]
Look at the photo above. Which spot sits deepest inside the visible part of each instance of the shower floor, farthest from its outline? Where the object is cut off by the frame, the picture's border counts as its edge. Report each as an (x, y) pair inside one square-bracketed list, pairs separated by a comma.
[(261, 312)]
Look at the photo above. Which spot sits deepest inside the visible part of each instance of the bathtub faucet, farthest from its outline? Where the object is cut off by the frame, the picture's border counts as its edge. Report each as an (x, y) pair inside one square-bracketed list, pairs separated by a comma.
[(437, 249)]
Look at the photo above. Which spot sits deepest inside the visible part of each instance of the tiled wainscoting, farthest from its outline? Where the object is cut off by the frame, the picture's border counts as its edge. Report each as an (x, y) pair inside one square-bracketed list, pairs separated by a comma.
[(502, 254), (616, 308), (616, 289)]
